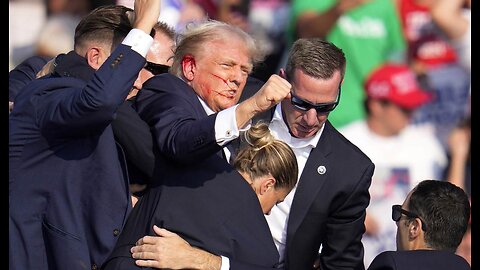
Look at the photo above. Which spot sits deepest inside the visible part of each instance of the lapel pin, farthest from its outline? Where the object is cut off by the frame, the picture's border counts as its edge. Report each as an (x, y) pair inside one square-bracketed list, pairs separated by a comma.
[(321, 169)]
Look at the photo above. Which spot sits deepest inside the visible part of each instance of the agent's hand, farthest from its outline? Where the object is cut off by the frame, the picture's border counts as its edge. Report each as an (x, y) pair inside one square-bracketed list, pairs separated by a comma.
[(146, 14), (169, 250), (47, 69)]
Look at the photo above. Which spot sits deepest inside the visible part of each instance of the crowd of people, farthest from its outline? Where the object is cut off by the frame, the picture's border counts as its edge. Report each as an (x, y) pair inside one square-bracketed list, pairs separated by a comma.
[(233, 134)]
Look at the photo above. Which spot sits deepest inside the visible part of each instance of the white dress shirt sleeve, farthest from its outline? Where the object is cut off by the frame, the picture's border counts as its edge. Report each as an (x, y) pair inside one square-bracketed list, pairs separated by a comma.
[(225, 263), (139, 41), (226, 126)]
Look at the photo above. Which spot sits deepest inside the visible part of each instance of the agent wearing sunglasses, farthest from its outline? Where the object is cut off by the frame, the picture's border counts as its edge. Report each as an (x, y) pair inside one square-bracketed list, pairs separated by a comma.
[(430, 226), (159, 56), (332, 191)]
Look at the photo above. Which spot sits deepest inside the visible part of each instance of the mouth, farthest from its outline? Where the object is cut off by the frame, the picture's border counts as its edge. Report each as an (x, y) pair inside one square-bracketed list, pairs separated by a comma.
[(228, 93), (303, 129)]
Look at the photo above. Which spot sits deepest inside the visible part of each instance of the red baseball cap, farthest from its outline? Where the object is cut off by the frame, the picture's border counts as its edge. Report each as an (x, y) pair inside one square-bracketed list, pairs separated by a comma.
[(397, 84)]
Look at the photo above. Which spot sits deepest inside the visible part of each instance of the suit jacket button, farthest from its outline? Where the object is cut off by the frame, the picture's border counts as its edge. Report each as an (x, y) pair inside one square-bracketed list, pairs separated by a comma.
[(321, 170), (94, 267), (116, 232)]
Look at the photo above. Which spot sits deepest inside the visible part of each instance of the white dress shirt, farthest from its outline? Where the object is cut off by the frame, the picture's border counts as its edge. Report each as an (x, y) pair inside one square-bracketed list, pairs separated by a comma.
[(138, 41), (278, 218), (225, 126)]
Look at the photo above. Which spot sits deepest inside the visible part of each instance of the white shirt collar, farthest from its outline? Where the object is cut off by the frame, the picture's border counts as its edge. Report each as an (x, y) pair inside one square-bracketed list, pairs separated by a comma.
[(205, 106), (280, 130)]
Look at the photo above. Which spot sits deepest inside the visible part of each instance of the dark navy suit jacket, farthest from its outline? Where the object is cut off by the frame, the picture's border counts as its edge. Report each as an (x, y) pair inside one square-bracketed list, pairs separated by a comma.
[(328, 208), (419, 259), (329, 205), (209, 205), (197, 194), (24, 73), (68, 194)]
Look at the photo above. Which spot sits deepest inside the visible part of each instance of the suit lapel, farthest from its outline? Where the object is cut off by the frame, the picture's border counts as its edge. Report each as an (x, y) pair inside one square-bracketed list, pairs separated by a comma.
[(313, 177)]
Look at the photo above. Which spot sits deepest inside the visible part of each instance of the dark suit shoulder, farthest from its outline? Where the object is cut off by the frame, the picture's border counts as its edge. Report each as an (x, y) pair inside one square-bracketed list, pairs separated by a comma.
[(166, 89), (340, 143), (419, 259)]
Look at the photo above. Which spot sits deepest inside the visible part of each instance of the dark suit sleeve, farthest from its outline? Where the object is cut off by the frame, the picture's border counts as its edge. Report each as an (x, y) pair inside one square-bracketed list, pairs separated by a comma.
[(181, 128), (71, 110), (133, 134), (383, 261), (24, 73), (343, 246), (236, 265)]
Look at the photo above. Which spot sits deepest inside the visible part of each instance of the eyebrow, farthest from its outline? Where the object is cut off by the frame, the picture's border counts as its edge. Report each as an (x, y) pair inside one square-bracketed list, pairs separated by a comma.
[(231, 61)]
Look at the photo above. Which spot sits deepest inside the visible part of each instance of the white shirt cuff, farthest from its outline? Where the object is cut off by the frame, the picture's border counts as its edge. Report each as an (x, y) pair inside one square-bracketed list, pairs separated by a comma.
[(225, 263), (226, 126), (139, 41)]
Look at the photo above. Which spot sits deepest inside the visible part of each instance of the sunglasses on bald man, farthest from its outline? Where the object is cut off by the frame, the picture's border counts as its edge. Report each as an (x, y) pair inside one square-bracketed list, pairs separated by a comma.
[(156, 69)]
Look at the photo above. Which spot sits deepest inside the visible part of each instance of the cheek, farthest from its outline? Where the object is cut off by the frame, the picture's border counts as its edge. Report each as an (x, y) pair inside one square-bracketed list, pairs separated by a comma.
[(322, 118), (291, 115)]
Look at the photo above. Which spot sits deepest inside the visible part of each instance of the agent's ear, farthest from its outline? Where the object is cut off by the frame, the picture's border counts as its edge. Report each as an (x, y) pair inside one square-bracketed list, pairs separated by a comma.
[(95, 57), (188, 67), (414, 228), (268, 183)]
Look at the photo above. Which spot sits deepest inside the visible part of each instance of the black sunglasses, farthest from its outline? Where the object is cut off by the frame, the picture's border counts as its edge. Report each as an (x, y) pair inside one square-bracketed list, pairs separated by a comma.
[(156, 69), (397, 212), (304, 105)]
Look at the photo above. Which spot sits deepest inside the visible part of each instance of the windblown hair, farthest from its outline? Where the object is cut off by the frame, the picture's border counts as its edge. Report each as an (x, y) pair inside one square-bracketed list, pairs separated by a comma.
[(193, 38), (261, 154), (316, 57), (445, 209), (107, 25), (164, 28)]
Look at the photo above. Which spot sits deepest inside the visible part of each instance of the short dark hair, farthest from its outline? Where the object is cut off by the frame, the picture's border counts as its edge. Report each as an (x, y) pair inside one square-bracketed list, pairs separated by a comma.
[(445, 209), (316, 57), (105, 24), (164, 28)]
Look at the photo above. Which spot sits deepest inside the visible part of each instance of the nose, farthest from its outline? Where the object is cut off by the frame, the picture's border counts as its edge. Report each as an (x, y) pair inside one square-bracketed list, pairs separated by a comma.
[(236, 77), (310, 117)]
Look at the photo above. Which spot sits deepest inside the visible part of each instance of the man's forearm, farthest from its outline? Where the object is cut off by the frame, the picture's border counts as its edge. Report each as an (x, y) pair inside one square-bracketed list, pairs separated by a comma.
[(202, 260)]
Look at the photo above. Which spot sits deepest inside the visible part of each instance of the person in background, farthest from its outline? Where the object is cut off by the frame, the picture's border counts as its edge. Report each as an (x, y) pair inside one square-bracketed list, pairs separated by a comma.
[(402, 153), (435, 61), (368, 31), (453, 17), (68, 189), (459, 173), (430, 225)]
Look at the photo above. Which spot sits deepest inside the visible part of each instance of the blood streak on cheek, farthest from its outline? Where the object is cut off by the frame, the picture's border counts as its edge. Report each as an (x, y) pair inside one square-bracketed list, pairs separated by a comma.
[(226, 83)]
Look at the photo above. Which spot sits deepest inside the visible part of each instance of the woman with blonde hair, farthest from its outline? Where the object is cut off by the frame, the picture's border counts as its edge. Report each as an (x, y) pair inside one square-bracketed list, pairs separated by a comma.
[(212, 207)]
